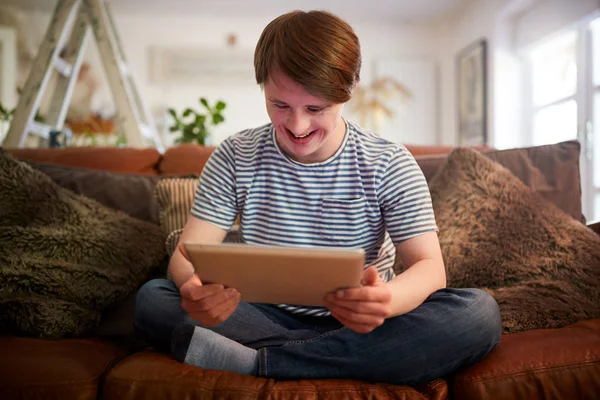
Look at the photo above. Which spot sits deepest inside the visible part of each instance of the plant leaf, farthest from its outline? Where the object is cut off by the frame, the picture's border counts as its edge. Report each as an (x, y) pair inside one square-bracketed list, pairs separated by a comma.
[(220, 105)]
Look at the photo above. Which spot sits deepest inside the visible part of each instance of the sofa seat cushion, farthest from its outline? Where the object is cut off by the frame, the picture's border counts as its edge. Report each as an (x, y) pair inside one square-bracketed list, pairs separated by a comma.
[(540, 364), (47, 369), (149, 375)]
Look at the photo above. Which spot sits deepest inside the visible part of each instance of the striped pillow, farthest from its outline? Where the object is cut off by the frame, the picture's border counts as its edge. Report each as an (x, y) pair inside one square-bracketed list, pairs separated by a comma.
[(175, 199)]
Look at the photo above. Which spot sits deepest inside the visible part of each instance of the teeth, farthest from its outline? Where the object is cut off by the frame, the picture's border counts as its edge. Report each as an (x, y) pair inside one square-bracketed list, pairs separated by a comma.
[(302, 137)]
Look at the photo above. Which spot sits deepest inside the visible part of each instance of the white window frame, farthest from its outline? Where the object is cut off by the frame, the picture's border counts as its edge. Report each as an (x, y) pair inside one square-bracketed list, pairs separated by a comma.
[(584, 97)]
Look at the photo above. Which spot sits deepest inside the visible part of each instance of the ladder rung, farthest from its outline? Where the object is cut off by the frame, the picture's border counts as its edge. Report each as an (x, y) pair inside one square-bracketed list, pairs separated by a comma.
[(41, 130), (124, 68), (63, 67), (146, 131)]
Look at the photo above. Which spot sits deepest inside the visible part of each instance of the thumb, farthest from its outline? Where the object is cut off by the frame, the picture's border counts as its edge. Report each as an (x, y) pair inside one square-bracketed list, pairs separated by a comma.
[(195, 279), (183, 252), (371, 277)]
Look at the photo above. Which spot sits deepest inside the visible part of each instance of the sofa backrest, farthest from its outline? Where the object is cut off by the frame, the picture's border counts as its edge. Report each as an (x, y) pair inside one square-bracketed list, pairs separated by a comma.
[(111, 159), (552, 170)]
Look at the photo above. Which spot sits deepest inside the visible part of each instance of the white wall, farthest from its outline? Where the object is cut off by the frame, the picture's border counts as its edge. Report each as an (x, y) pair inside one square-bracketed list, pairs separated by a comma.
[(508, 25), (245, 101), (477, 21)]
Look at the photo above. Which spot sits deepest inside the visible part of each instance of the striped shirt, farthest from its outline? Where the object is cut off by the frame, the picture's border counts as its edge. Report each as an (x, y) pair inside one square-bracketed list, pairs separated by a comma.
[(370, 194)]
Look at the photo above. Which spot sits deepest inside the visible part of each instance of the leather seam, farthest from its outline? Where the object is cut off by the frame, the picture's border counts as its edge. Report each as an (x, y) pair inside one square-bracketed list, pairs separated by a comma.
[(528, 372), (287, 389)]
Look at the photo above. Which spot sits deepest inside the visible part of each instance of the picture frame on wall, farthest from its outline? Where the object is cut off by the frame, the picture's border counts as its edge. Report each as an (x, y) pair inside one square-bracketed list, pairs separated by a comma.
[(471, 66)]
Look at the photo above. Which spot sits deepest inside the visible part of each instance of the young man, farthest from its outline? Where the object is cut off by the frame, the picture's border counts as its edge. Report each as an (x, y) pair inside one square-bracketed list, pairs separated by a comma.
[(312, 178)]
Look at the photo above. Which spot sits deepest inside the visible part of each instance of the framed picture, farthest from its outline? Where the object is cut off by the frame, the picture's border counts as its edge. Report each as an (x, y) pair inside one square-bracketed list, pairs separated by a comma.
[(471, 66)]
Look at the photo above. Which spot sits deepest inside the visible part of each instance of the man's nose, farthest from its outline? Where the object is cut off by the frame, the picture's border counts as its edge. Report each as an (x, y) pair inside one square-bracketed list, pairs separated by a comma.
[(298, 123)]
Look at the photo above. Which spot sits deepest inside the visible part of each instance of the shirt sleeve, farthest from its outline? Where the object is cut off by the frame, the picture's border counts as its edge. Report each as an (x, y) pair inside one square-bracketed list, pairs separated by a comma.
[(404, 198), (215, 196)]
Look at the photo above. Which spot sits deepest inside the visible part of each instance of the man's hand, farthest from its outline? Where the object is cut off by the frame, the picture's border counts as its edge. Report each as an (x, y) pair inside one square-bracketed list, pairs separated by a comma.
[(362, 309), (208, 304)]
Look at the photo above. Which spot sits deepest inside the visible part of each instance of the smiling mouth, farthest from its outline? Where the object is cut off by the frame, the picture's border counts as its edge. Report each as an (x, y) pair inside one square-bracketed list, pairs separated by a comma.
[(300, 137)]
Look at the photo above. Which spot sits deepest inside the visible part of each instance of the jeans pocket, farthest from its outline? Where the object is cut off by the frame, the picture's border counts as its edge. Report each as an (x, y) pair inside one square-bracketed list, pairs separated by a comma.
[(343, 220)]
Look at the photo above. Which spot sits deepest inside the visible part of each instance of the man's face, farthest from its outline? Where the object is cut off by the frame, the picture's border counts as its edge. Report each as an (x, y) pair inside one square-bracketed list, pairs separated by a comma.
[(308, 128)]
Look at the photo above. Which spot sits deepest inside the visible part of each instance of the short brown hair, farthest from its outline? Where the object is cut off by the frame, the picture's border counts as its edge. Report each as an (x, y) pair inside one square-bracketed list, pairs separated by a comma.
[(316, 49)]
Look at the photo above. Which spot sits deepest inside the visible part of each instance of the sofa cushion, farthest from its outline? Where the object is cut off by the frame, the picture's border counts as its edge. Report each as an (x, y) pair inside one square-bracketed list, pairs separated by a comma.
[(184, 159), (542, 266), (540, 364), (65, 258), (113, 159), (149, 375), (71, 369), (175, 198), (552, 171), (131, 193)]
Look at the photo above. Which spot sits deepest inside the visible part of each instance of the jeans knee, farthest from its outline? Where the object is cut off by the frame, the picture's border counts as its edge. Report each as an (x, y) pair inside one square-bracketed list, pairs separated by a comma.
[(485, 316), (147, 299)]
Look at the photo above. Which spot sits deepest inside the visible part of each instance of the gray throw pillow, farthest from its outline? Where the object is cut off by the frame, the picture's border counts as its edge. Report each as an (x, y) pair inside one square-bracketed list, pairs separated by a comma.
[(131, 193)]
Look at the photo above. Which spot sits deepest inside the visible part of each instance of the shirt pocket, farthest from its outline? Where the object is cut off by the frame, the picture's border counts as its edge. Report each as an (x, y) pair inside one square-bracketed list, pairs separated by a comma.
[(343, 220)]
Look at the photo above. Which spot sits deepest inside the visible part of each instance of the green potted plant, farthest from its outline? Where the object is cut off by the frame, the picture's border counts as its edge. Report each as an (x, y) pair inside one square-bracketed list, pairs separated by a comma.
[(194, 126)]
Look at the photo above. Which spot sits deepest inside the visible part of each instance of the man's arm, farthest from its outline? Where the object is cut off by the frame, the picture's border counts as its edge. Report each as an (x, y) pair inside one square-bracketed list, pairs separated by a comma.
[(425, 273), (198, 231), (365, 308)]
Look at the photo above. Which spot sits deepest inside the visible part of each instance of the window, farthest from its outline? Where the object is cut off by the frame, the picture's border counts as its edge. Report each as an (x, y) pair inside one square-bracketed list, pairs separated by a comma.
[(564, 76), (554, 86), (595, 67)]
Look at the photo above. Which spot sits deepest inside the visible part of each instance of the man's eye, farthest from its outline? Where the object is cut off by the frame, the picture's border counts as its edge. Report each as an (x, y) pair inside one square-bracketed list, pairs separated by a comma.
[(280, 105), (314, 110)]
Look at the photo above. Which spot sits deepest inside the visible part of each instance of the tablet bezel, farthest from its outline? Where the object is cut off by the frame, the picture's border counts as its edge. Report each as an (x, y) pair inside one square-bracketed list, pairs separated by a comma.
[(278, 274)]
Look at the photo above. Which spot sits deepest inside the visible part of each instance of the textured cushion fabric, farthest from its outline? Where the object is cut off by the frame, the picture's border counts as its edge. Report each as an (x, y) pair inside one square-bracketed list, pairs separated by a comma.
[(131, 193), (70, 369), (149, 375), (551, 170), (112, 159), (541, 265), (65, 258), (175, 199)]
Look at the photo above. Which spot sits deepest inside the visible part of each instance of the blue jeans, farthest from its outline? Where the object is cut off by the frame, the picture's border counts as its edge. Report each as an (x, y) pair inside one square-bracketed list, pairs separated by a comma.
[(452, 329)]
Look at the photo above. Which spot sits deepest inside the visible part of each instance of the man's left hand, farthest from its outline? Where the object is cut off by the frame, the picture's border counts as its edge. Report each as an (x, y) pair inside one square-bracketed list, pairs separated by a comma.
[(365, 308)]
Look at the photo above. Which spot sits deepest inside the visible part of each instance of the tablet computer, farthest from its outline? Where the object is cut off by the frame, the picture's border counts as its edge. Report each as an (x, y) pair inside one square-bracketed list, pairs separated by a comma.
[(274, 274)]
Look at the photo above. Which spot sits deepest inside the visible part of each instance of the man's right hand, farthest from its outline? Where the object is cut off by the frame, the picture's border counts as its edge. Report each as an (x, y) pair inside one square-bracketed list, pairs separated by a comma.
[(209, 304)]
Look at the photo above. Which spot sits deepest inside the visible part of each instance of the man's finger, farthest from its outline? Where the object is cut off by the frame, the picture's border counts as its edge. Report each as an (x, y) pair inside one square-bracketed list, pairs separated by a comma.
[(361, 319), (183, 252), (371, 277), (353, 326), (361, 307), (365, 293)]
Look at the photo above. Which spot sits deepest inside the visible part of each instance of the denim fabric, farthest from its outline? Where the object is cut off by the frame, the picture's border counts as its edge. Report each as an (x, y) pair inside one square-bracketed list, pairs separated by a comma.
[(452, 329)]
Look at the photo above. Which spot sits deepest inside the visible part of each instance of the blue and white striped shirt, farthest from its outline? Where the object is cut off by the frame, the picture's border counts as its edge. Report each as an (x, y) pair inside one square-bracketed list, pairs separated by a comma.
[(370, 194)]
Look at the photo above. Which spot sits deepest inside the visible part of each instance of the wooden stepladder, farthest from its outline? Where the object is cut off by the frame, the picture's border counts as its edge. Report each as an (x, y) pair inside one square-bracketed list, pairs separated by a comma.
[(62, 54)]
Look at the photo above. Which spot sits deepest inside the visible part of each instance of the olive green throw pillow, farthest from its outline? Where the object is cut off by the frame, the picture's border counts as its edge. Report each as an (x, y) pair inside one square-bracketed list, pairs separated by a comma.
[(64, 258), (541, 265)]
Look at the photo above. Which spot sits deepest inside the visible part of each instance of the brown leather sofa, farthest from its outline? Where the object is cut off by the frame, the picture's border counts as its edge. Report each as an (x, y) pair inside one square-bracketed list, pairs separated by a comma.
[(538, 364)]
